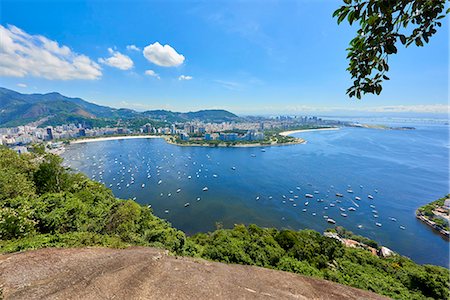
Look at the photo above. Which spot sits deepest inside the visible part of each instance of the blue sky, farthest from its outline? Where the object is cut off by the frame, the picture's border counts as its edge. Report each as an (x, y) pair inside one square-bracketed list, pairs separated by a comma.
[(246, 56)]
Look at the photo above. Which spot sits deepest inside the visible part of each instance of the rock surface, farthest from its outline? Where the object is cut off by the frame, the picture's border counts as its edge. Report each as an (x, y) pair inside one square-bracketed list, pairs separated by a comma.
[(149, 273)]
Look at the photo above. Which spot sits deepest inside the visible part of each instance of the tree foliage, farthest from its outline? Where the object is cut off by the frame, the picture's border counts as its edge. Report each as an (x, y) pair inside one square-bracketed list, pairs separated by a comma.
[(382, 24)]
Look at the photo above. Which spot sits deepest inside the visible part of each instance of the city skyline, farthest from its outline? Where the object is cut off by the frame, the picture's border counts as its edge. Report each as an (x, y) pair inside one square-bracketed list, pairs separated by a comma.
[(200, 55)]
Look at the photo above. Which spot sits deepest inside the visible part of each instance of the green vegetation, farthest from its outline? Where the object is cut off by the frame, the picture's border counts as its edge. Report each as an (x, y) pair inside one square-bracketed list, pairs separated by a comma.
[(427, 210), (44, 205), (382, 24)]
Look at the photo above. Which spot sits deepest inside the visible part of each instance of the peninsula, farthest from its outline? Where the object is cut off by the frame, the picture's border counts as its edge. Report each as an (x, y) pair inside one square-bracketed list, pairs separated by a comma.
[(436, 215)]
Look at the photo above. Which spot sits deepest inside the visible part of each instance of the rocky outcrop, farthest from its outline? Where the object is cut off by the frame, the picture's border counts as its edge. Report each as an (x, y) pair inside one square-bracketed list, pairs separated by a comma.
[(149, 273)]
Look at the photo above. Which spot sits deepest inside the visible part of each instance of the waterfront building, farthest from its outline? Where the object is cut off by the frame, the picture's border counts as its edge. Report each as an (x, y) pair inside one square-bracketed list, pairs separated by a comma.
[(447, 204), (184, 136), (82, 132)]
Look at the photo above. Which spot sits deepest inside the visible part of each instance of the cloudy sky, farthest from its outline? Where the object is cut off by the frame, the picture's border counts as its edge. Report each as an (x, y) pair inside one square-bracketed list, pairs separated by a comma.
[(245, 56)]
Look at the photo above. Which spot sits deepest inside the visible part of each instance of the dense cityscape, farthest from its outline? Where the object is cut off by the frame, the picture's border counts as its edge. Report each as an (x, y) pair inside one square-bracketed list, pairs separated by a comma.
[(251, 129)]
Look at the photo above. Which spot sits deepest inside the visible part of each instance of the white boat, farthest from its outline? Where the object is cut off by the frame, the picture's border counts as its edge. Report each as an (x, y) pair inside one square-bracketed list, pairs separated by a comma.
[(233, 168), (402, 227), (198, 198), (339, 195), (309, 196), (159, 182), (370, 197), (360, 226), (344, 215), (143, 185), (341, 209), (179, 190), (215, 175), (378, 224), (331, 221), (351, 209), (306, 203), (186, 204), (350, 191), (357, 198), (205, 189), (257, 198)]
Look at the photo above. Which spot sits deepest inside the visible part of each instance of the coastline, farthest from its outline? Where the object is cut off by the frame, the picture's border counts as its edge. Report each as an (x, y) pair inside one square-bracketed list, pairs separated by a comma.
[(167, 139), (255, 145), (112, 138), (286, 133)]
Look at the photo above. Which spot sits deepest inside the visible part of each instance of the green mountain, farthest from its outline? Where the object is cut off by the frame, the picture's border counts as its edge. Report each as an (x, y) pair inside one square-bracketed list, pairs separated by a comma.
[(55, 109)]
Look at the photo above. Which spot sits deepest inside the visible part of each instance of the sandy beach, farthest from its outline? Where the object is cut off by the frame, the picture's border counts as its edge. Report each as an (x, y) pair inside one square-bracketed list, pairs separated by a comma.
[(286, 133), (111, 138)]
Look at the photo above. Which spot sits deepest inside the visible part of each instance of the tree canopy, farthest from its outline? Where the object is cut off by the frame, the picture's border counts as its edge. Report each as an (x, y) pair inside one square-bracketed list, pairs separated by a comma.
[(382, 25)]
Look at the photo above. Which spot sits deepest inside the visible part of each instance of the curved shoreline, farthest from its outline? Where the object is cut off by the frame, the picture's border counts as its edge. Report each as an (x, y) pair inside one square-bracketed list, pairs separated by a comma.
[(254, 145), (113, 138), (166, 138), (289, 132)]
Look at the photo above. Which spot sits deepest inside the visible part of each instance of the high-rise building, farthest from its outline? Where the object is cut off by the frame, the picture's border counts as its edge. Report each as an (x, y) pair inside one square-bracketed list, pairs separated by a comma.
[(148, 128), (49, 133), (82, 132)]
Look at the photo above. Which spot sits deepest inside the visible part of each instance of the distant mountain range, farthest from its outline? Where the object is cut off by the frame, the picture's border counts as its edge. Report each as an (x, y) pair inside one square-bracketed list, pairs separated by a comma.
[(55, 109)]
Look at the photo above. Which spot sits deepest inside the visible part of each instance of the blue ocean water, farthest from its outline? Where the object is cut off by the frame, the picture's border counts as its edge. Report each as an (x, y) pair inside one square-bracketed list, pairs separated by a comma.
[(401, 169)]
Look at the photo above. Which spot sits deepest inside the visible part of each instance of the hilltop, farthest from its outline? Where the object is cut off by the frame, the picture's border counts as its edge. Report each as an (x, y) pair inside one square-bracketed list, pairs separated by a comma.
[(150, 273), (56, 109)]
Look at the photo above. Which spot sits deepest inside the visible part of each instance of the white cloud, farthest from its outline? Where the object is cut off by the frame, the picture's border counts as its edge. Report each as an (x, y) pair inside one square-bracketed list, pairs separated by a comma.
[(185, 77), (164, 56), (117, 60), (22, 85), (22, 54), (152, 73), (133, 47)]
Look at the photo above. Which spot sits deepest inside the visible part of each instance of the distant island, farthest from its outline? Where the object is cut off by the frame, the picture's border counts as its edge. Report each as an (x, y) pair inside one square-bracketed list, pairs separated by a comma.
[(384, 127), (436, 215)]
